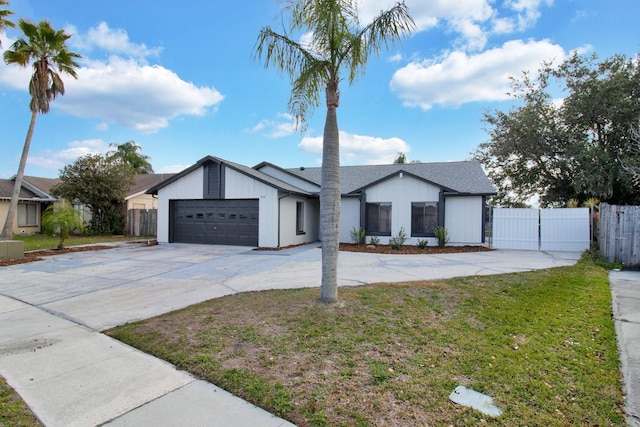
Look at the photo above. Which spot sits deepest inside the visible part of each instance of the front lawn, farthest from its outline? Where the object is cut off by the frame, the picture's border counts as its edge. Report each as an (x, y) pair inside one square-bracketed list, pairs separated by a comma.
[(541, 343)]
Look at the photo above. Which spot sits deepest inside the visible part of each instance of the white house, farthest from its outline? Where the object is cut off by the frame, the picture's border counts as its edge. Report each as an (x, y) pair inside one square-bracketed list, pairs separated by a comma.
[(220, 202)]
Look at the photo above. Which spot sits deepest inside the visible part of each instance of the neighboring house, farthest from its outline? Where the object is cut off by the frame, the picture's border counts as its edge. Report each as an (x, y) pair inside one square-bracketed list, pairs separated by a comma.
[(220, 202), (137, 198), (33, 200), (35, 197)]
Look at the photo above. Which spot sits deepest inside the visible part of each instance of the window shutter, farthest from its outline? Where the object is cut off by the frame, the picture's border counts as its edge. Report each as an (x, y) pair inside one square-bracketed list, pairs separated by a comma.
[(212, 187)]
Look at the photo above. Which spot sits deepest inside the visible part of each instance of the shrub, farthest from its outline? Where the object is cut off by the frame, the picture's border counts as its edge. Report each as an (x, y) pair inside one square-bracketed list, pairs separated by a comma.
[(422, 244), (442, 236), (358, 235), (61, 218), (374, 240), (396, 242)]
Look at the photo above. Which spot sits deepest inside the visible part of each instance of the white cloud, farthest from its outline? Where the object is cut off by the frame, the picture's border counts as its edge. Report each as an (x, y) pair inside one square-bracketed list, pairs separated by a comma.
[(109, 40), (49, 159), (396, 58), (459, 78), (285, 125), (122, 90), (139, 97), (472, 20), (360, 149), (527, 11)]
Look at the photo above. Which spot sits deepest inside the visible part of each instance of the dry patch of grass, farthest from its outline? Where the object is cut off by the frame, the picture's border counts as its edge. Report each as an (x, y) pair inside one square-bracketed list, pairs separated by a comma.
[(542, 344)]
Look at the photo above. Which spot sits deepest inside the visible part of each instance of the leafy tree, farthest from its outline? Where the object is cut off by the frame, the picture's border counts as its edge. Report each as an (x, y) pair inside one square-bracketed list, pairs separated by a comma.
[(101, 185), (129, 153), (338, 46), (4, 13), (62, 218), (48, 49), (401, 159), (631, 165), (575, 148)]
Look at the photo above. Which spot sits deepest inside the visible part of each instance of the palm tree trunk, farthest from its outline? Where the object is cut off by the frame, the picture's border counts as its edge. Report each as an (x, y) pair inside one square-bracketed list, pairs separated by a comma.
[(330, 201), (7, 230)]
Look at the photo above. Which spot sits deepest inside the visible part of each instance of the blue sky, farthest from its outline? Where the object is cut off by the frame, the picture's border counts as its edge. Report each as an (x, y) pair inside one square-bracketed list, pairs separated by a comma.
[(179, 80)]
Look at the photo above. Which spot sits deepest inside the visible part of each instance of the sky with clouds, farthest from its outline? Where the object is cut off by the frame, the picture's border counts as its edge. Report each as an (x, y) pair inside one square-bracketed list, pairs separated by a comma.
[(180, 80)]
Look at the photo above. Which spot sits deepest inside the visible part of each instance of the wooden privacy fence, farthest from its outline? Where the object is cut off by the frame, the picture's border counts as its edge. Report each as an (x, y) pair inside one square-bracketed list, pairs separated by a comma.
[(619, 234), (142, 222), (541, 229)]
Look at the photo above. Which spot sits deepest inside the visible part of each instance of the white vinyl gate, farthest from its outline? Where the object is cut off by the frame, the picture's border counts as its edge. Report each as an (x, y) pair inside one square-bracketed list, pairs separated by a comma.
[(541, 229)]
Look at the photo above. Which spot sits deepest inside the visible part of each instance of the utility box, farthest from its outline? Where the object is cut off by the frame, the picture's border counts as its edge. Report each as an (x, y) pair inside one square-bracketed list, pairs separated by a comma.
[(11, 249)]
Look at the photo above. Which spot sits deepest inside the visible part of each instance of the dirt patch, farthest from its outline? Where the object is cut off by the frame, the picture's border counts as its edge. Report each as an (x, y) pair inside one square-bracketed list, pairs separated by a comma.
[(37, 255), (33, 256)]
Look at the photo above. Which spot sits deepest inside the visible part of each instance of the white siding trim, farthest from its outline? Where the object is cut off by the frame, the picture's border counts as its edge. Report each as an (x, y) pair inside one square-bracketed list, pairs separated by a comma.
[(187, 187), (401, 191), (241, 186), (463, 219)]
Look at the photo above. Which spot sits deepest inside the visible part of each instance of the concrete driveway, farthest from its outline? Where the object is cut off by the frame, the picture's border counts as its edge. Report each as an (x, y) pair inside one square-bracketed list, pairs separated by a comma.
[(71, 375), (101, 289)]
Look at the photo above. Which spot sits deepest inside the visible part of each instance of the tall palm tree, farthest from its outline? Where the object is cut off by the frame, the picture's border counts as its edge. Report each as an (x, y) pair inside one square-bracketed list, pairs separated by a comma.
[(48, 49), (4, 13), (129, 153), (338, 45)]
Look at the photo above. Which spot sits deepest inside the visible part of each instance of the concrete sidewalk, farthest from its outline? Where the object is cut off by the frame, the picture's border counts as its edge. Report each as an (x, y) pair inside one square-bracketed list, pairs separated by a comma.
[(70, 374), (73, 376), (625, 291)]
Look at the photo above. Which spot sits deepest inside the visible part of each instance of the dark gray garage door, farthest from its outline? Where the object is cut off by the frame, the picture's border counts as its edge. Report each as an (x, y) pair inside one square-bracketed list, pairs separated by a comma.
[(219, 222)]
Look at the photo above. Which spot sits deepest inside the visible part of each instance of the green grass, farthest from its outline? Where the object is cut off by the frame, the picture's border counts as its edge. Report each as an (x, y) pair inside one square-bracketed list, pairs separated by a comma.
[(43, 241), (541, 343), (13, 411)]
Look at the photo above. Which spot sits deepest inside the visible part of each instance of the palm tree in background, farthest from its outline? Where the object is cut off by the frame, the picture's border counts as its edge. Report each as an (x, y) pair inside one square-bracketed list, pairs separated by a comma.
[(337, 44), (4, 13), (48, 49), (129, 153)]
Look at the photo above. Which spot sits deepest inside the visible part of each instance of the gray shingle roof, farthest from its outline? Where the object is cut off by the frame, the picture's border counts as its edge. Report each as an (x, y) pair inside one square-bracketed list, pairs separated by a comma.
[(34, 188), (267, 179), (260, 176), (145, 181), (465, 177), (6, 189)]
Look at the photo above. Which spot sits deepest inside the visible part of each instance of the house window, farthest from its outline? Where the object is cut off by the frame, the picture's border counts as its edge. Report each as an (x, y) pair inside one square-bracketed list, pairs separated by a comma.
[(424, 219), (378, 219), (27, 214), (299, 218)]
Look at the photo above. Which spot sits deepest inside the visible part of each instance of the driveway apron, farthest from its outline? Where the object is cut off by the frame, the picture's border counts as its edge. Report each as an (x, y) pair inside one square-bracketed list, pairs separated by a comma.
[(51, 312)]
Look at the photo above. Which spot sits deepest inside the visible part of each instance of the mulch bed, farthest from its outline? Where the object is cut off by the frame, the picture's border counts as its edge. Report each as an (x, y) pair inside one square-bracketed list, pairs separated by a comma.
[(411, 249), (32, 256)]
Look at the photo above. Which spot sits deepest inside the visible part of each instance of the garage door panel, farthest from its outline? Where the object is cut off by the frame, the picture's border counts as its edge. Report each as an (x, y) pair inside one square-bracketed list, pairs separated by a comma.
[(222, 222)]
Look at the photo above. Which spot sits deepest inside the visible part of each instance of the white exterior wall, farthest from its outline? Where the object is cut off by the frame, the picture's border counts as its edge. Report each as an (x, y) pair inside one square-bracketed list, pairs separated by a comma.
[(188, 187), (290, 179), (349, 218), (241, 186), (401, 192), (288, 212), (463, 220)]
